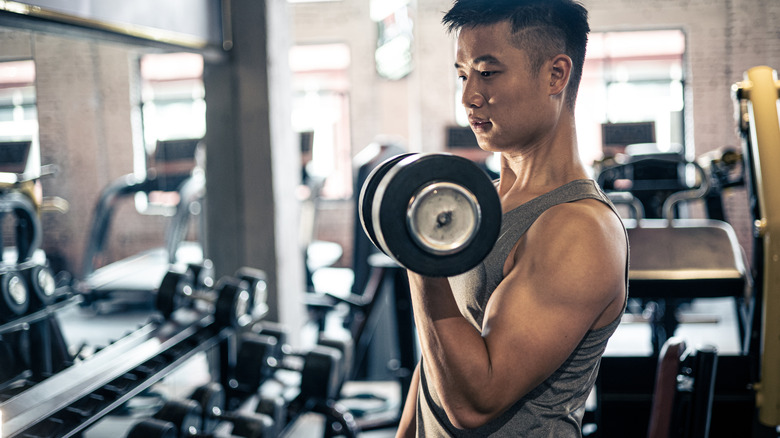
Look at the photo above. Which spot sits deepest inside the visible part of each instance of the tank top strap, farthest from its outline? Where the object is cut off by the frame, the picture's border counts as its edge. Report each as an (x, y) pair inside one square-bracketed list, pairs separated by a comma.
[(517, 221)]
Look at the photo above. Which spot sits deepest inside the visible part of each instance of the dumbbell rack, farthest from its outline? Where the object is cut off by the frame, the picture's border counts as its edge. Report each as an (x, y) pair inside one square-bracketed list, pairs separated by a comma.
[(69, 402)]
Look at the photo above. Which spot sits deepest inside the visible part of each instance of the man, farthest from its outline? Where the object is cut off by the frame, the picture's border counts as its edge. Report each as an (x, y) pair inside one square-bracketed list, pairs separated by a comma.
[(512, 347)]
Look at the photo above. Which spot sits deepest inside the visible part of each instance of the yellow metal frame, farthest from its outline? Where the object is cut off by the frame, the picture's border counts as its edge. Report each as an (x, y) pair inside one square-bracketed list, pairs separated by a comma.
[(757, 96)]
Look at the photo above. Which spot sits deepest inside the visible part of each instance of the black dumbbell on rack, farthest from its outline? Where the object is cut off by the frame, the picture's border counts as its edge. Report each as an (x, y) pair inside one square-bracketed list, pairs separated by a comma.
[(259, 356), (14, 294), (202, 416), (25, 288), (229, 299)]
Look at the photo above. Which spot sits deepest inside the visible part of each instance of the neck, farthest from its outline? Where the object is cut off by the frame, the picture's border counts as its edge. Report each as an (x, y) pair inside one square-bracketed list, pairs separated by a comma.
[(530, 171)]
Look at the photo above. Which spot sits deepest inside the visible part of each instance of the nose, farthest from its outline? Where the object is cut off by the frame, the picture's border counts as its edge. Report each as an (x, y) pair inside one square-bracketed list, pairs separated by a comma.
[(472, 97)]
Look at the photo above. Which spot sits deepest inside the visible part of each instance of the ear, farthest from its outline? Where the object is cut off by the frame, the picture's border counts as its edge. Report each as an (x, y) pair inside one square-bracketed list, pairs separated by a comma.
[(560, 72)]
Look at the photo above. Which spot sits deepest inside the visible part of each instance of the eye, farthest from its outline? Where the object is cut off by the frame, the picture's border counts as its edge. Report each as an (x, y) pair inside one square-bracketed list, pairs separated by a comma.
[(487, 74)]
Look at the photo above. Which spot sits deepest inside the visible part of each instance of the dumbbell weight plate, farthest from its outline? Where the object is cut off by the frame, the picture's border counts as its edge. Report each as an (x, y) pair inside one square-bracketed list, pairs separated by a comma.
[(173, 288), (232, 307), (252, 425), (443, 218), (211, 398), (43, 285), (153, 428), (257, 287), (202, 273), (275, 407), (321, 373), (368, 191), (254, 352), (15, 294), (184, 414), (436, 214)]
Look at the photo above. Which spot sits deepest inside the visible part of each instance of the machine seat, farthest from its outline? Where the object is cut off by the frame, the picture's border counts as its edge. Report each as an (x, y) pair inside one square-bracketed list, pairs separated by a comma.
[(692, 258)]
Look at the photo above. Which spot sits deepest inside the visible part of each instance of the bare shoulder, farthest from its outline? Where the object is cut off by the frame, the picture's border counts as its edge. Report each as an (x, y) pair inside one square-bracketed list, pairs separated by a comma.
[(578, 253), (587, 219)]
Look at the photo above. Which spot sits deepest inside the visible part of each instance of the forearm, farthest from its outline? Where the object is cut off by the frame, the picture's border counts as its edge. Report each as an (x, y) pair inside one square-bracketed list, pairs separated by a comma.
[(407, 427), (455, 355)]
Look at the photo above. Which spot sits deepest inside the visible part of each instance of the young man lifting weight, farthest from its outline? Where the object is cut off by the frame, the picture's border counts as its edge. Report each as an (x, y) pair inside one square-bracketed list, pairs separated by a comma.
[(512, 347)]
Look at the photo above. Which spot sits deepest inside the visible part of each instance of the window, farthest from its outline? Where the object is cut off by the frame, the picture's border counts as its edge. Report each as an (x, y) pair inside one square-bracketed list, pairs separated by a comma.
[(321, 116), (634, 79), (173, 110), (18, 113)]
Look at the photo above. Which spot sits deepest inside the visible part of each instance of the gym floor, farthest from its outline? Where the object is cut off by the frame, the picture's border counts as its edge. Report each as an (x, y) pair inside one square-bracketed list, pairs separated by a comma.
[(705, 321)]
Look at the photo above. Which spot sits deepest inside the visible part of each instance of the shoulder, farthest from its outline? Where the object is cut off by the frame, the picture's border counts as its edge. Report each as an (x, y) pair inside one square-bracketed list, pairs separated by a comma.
[(575, 248)]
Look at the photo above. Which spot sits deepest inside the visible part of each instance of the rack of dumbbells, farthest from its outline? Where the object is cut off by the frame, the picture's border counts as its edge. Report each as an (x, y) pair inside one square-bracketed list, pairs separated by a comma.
[(251, 399), (47, 390), (198, 316), (32, 348)]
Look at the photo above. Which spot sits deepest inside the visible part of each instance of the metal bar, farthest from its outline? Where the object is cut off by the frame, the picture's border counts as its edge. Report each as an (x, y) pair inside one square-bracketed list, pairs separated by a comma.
[(761, 91), (62, 390)]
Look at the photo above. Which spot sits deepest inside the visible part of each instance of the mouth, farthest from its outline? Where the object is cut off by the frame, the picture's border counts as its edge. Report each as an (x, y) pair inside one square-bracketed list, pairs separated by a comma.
[(479, 124)]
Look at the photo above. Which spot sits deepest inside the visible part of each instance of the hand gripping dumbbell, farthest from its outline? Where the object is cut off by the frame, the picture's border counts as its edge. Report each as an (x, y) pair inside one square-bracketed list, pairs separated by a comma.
[(229, 299), (434, 214)]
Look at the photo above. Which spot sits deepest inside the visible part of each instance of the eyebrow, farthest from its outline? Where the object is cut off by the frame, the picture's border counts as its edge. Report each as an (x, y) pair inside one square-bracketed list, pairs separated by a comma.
[(489, 59)]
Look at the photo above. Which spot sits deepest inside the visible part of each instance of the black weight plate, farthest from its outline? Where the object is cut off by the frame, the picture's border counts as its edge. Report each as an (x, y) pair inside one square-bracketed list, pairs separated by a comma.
[(211, 398), (252, 425), (13, 302), (232, 307), (172, 290), (344, 345), (257, 286), (275, 407), (252, 359), (202, 273), (153, 428), (321, 373), (41, 282), (184, 414), (368, 191), (393, 197)]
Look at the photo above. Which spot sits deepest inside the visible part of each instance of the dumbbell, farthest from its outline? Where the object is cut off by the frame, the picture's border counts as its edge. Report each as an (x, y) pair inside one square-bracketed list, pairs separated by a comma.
[(257, 287), (15, 295), (44, 286), (275, 407), (185, 415), (202, 273), (435, 214), (230, 300), (153, 428), (211, 399), (277, 347), (320, 367)]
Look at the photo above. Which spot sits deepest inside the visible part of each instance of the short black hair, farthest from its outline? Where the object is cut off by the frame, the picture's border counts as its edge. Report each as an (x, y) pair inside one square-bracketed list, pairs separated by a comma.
[(543, 28)]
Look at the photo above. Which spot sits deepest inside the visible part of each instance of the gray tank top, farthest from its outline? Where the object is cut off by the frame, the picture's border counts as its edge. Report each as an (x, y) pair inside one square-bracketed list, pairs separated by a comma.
[(555, 408)]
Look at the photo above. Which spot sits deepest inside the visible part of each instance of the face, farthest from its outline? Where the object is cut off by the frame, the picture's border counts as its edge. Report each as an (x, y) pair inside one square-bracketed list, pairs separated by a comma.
[(509, 108)]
